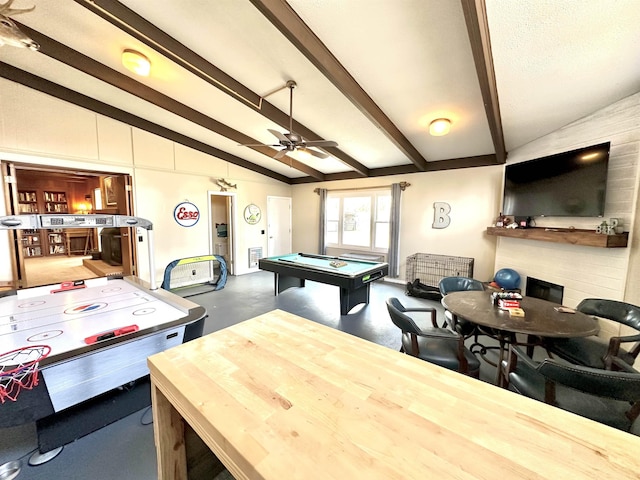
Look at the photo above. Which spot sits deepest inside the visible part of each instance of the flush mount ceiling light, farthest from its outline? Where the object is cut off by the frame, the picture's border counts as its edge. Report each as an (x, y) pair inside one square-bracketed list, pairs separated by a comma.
[(439, 127), (136, 62)]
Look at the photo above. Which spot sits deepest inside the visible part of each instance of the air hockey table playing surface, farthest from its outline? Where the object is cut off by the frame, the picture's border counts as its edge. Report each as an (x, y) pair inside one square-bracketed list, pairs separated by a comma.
[(100, 336), (70, 321)]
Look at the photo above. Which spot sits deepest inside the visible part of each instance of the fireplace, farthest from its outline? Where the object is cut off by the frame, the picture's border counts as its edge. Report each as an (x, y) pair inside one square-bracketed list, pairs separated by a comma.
[(545, 290), (111, 252)]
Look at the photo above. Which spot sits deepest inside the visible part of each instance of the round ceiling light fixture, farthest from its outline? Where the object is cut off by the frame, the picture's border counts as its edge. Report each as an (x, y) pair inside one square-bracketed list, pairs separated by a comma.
[(136, 62), (439, 127)]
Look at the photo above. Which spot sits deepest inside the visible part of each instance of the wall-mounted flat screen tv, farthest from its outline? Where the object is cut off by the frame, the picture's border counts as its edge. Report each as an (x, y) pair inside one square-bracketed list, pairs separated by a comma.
[(570, 184)]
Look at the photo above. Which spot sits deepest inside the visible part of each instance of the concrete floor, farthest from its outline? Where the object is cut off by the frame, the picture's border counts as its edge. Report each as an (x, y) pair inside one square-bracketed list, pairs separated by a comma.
[(125, 449)]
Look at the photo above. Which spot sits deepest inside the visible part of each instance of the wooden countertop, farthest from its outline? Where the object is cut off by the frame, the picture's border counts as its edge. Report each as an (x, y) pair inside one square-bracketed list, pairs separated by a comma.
[(279, 397)]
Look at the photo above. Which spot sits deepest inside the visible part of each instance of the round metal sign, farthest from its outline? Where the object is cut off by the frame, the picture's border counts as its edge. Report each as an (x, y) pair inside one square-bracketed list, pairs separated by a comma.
[(186, 214)]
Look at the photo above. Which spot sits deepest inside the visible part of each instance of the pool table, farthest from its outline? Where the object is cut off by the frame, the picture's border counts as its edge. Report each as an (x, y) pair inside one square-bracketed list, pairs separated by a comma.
[(352, 276)]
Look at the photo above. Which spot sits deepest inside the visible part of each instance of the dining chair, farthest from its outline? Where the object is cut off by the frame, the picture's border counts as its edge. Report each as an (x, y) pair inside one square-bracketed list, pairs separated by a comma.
[(463, 326), (608, 397), (594, 352), (459, 284), (433, 344)]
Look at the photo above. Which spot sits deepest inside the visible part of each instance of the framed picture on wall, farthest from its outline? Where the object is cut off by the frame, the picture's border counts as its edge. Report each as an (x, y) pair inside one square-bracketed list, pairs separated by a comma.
[(109, 189)]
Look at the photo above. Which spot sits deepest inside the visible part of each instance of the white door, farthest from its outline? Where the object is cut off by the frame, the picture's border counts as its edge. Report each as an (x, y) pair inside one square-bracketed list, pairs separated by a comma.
[(278, 226)]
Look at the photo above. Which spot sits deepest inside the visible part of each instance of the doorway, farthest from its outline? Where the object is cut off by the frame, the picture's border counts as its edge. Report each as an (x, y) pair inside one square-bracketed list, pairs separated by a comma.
[(44, 257), (221, 227)]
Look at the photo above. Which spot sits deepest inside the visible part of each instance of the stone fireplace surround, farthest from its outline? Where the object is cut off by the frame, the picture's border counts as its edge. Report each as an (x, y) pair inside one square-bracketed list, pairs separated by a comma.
[(587, 271)]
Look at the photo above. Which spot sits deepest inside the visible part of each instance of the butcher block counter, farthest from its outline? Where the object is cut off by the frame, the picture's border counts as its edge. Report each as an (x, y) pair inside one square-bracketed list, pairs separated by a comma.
[(281, 397)]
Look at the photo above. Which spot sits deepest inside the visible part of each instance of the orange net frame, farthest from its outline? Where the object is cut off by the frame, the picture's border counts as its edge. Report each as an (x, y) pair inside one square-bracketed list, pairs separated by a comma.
[(19, 370)]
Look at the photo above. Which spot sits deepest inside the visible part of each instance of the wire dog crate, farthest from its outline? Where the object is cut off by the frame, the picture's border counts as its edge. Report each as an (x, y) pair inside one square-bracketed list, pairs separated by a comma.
[(428, 269)]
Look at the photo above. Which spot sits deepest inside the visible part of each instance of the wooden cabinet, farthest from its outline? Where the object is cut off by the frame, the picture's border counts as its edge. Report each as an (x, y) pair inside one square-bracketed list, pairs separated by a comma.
[(56, 242), (27, 201), (36, 243), (31, 240), (31, 243), (55, 202)]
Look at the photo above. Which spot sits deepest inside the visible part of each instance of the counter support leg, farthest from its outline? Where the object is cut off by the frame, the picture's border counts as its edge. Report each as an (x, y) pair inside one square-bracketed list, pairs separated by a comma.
[(168, 432)]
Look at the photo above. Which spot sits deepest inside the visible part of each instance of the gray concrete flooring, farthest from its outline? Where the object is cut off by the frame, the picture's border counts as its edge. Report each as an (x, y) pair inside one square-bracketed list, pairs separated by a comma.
[(125, 449)]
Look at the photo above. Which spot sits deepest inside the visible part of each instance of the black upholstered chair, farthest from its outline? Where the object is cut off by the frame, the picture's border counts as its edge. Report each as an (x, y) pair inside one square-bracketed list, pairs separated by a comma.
[(594, 352), (432, 344), (609, 397), (458, 284)]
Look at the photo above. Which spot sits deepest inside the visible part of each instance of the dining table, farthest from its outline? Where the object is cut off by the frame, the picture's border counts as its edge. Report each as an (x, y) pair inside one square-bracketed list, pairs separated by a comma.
[(542, 320)]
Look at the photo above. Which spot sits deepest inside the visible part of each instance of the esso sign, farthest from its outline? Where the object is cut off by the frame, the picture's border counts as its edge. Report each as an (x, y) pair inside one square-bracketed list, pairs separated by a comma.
[(186, 214)]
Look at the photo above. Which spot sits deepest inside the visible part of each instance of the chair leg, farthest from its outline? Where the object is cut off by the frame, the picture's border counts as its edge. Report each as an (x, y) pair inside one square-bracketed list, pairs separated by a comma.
[(633, 413), (480, 349)]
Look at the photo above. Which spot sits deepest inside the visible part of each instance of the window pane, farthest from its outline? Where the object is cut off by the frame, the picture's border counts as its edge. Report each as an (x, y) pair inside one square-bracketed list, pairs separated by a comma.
[(356, 226), (382, 235), (383, 208), (331, 234), (333, 209), (332, 214)]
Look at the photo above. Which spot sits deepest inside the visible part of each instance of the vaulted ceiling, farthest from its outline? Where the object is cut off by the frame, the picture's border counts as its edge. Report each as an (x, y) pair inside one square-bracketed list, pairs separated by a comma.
[(370, 74)]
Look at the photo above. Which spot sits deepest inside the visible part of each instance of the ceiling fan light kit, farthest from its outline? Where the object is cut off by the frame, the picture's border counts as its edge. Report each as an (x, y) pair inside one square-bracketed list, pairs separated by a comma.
[(292, 141), (440, 127), (136, 62)]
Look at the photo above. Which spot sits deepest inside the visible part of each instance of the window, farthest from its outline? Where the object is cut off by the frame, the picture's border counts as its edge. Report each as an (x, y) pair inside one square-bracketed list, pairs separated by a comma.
[(358, 219)]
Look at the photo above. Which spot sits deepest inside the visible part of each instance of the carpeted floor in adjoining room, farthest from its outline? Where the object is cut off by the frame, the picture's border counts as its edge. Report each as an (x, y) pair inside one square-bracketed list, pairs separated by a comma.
[(55, 269)]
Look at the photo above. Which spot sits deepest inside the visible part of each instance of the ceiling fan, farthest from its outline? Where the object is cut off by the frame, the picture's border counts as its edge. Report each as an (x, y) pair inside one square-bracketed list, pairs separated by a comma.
[(292, 141)]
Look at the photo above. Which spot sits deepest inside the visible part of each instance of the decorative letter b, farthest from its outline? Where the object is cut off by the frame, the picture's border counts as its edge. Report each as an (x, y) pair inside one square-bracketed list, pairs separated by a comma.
[(441, 217)]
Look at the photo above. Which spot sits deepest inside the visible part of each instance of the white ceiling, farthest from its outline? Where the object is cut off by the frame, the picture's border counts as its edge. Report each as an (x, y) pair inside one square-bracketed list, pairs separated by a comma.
[(555, 61)]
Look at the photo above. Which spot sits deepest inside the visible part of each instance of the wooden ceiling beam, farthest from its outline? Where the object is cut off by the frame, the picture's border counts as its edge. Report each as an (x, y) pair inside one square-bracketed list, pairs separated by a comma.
[(287, 21), (475, 15), (127, 20), (47, 87), (450, 164), (87, 65)]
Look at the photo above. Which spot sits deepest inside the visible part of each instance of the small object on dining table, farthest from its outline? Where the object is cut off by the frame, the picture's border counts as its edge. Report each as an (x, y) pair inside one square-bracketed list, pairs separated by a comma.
[(516, 312), (337, 263), (563, 309), (498, 297), (506, 304)]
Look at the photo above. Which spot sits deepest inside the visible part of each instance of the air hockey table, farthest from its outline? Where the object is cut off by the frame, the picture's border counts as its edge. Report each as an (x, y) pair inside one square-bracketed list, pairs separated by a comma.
[(100, 332)]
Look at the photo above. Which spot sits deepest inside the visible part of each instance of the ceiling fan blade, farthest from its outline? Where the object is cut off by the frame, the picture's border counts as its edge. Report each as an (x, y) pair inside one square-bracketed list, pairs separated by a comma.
[(321, 143), (281, 153), (315, 153), (279, 135), (257, 145)]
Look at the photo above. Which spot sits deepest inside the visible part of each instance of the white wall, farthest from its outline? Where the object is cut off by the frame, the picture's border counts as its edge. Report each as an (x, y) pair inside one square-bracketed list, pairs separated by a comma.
[(35, 128), (587, 271), (38, 129), (473, 194)]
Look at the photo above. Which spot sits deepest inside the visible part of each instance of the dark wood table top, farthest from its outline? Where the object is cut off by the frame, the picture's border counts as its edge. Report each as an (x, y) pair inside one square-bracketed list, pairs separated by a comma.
[(540, 317)]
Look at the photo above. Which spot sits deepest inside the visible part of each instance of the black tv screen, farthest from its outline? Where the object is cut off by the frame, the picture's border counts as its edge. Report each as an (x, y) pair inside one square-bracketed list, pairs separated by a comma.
[(570, 184)]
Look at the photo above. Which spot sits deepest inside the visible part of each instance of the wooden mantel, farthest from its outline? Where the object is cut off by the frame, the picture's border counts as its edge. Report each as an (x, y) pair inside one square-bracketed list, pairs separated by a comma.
[(571, 236)]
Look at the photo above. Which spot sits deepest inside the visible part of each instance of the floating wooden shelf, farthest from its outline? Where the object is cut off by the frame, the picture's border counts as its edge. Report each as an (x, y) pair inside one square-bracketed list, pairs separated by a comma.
[(587, 238)]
